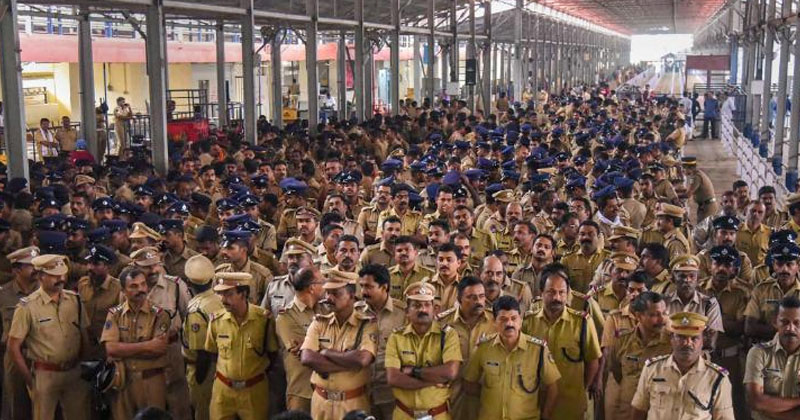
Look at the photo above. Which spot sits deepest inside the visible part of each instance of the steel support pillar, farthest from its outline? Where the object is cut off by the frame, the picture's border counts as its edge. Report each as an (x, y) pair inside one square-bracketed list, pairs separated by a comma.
[(312, 10), (369, 81), (248, 74), (157, 81), (358, 74), (431, 73), (487, 58), (277, 79), (13, 104), (472, 54), (766, 95), (454, 50), (794, 119), (394, 93), (341, 76), (534, 63), (417, 70), (445, 70), (86, 69), (783, 69), (222, 96)]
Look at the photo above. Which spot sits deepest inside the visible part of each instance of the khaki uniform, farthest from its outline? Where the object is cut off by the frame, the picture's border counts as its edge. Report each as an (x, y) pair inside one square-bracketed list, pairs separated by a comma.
[(16, 400), (563, 248), (145, 381), (665, 189), (200, 310), (650, 204), (267, 237), (543, 223), (96, 302), (651, 234), (287, 227), (582, 267), (765, 298), (502, 237), (481, 243), (570, 352), (389, 319), (530, 276), (770, 366), (280, 294), (243, 351), (438, 346), (174, 263), (702, 190), (326, 333), (699, 304), (775, 220), (52, 333), (446, 295), (626, 360), (425, 225), (400, 281), (607, 299), (376, 254), (791, 225), (754, 243), (122, 262), (291, 326), (520, 291), (464, 406), (636, 210), (170, 294), (511, 379), (676, 243), (745, 268), (410, 221), (664, 393), (427, 258), (368, 220), (261, 277), (662, 283), (618, 323), (517, 258)]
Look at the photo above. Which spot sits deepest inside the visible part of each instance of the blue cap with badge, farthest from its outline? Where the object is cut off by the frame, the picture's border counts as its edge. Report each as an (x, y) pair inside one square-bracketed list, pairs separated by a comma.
[(605, 192), (178, 207), (114, 225), (229, 237), (52, 242), (99, 253), (166, 225)]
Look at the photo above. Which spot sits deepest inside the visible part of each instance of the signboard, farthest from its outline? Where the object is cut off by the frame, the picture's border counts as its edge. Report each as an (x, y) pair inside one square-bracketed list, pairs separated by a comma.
[(471, 72)]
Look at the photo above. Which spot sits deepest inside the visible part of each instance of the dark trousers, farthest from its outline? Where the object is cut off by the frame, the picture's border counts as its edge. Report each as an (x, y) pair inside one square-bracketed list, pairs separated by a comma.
[(714, 123)]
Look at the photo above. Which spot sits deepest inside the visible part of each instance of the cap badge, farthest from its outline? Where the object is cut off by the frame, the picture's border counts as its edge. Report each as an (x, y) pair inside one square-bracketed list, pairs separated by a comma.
[(685, 321)]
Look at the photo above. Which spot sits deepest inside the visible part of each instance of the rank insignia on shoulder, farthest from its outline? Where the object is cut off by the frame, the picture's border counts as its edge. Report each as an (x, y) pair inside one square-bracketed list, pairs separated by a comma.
[(195, 327), (107, 325)]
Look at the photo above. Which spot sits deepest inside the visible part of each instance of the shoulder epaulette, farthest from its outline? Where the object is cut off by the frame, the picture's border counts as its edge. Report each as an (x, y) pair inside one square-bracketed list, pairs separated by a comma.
[(721, 370), (114, 309), (323, 317), (173, 279), (486, 338), (70, 292), (537, 340), (444, 314), (287, 211), (766, 344), (365, 316), (398, 303), (156, 309), (24, 301), (652, 360), (223, 266), (580, 314), (446, 328), (398, 329)]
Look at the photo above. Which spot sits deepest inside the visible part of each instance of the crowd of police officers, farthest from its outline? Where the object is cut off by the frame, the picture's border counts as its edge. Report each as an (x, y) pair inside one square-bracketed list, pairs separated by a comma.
[(559, 259)]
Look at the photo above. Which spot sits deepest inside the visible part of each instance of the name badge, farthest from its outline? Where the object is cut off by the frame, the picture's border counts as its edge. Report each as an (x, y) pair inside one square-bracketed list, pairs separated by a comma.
[(123, 328), (634, 358), (491, 363), (41, 320), (772, 370), (223, 336), (659, 380), (408, 352), (773, 301), (324, 340)]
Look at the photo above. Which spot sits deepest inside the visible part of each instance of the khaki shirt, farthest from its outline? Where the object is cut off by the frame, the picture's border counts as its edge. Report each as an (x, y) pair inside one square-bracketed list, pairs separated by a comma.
[(481, 243), (291, 326), (701, 187), (325, 332), (391, 317), (664, 393), (267, 237), (637, 212), (446, 295), (665, 189), (770, 366), (627, 358), (607, 299), (67, 138), (400, 281), (195, 328), (765, 298), (10, 295), (280, 294), (520, 291), (126, 325), (618, 323), (754, 243), (776, 219), (377, 254), (676, 243), (96, 302), (582, 267), (570, 354), (732, 302), (745, 268), (425, 225), (699, 304), (261, 277), (50, 330), (368, 220), (530, 276), (512, 380), (242, 350), (171, 294), (517, 258), (287, 227), (502, 237), (410, 221), (406, 348)]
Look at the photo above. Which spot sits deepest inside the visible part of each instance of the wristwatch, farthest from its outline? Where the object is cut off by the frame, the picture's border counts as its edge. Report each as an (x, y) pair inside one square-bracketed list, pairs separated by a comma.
[(416, 372)]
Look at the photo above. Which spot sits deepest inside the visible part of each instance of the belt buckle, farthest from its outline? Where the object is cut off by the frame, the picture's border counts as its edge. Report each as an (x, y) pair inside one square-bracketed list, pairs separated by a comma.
[(422, 415), (238, 384), (335, 395)]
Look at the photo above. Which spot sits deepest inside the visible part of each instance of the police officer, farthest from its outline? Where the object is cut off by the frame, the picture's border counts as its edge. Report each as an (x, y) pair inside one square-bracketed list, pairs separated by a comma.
[(701, 189), (280, 291), (611, 295), (340, 347), (369, 216), (291, 326), (683, 384), (243, 337), (725, 232), (771, 374), (572, 339), (389, 313), (136, 335), (52, 326), (473, 322), (383, 252), (16, 400), (170, 294), (686, 297), (407, 270), (294, 197), (177, 252), (762, 308), (628, 353), (669, 219), (409, 218), (583, 263), (143, 236), (236, 248), (518, 370), (493, 271), (422, 358), (200, 365), (99, 292), (445, 280)]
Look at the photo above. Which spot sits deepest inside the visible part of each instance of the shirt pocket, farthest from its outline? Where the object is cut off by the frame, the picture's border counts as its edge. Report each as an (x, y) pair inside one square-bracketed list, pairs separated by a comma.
[(525, 381), (491, 374), (572, 353), (224, 346), (661, 396), (773, 381)]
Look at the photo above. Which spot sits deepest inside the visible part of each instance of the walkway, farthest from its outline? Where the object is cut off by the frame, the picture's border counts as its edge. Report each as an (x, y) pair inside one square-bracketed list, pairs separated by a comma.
[(715, 162)]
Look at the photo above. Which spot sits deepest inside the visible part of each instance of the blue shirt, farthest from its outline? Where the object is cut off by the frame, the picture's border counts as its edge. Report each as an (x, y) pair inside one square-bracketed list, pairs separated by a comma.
[(711, 108)]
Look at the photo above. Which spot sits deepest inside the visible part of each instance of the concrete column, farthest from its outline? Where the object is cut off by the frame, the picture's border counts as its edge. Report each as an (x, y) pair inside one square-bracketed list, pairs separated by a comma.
[(487, 58), (358, 74), (395, 57), (534, 49), (417, 71), (157, 81), (13, 104), (86, 67), (454, 50), (471, 53), (341, 76), (248, 74), (431, 73), (794, 118), (222, 97), (783, 69), (369, 80), (769, 45), (312, 10), (445, 68), (277, 79)]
